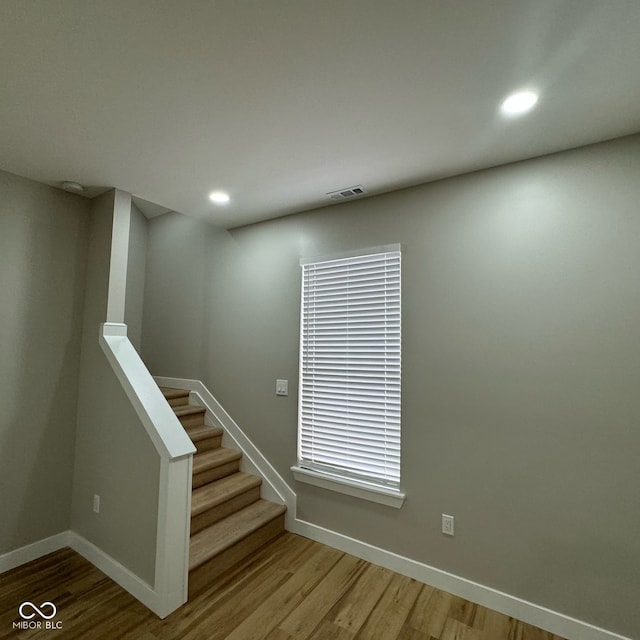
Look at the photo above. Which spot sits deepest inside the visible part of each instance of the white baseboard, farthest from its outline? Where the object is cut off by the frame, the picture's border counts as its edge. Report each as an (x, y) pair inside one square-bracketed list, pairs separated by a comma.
[(33, 551), (511, 606), (552, 621), (110, 567), (117, 572)]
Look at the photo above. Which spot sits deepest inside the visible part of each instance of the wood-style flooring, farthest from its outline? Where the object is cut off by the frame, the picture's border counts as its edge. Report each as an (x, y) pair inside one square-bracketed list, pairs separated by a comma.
[(293, 589)]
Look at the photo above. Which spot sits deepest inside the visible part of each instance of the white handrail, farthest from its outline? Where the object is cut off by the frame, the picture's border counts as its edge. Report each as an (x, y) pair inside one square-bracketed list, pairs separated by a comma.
[(175, 450), (160, 422)]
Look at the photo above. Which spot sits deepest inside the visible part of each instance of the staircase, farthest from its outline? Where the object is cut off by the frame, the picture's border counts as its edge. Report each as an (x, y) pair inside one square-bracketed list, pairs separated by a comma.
[(229, 520)]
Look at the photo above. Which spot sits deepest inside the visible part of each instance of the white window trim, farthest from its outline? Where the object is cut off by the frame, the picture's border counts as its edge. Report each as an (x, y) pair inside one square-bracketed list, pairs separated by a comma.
[(385, 248), (355, 488)]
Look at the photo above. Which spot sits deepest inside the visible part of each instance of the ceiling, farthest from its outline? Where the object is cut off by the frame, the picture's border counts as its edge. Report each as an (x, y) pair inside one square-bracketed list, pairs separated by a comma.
[(278, 102)]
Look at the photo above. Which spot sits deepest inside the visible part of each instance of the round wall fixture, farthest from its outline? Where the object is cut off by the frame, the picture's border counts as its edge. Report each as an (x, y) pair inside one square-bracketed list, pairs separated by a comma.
[(73, 187)]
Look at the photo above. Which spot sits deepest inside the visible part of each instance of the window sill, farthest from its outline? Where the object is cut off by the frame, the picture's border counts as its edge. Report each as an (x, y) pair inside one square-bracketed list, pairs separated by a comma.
[(354, 488)]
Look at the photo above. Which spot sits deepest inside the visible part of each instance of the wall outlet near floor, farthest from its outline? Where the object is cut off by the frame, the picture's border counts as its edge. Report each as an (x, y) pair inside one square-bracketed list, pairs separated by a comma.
[(96, 503), (447, 524), (282, 387)]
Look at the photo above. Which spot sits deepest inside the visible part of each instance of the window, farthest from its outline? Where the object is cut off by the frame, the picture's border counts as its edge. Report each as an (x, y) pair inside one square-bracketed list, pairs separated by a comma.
[(350, 353)]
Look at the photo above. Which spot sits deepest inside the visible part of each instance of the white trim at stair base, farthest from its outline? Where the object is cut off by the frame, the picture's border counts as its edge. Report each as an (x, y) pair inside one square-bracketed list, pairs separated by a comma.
[(128, 580), (274, 487), (17, 557), (509, 605), (174, 520)]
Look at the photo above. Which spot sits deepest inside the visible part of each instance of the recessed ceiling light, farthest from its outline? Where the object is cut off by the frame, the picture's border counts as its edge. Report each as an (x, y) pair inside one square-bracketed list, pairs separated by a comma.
[(519, 102), (219, 197)]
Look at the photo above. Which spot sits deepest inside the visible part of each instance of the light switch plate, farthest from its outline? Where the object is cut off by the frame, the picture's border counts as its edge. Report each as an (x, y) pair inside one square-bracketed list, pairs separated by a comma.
[(282, 387)]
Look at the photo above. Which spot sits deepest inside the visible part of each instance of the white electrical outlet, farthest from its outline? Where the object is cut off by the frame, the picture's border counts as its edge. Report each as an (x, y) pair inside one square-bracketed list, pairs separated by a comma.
[(282, 387), (96, 503), (447, 524)]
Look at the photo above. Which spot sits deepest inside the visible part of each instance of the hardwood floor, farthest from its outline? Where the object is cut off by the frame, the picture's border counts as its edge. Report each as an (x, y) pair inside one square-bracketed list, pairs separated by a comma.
[(293, 589)]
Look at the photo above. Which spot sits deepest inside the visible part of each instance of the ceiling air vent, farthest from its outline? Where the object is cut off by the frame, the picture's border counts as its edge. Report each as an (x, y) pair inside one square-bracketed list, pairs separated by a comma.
[(349, 192)]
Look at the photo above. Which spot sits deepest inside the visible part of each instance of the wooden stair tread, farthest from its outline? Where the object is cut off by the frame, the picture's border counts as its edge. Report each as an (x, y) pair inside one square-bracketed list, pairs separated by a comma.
[(229, 521), (214, 458), (170, 393), (203, 431), (215, 493), (188, 410), (212, 541)]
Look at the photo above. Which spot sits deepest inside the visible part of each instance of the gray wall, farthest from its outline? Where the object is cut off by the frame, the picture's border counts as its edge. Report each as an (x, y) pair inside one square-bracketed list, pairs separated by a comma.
[(175, 330), (136, 267), (113, 453), (521, 366), (43, 247)]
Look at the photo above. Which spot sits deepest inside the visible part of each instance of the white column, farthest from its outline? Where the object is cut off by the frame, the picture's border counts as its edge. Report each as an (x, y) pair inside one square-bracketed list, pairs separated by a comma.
[(119, 256)]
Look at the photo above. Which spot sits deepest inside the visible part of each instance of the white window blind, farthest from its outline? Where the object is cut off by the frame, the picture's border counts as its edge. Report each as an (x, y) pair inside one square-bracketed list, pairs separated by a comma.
[(349, 413)]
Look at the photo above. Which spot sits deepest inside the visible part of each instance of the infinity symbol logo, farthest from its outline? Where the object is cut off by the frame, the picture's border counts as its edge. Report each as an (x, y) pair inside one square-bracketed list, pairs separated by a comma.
[(39, 611)]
